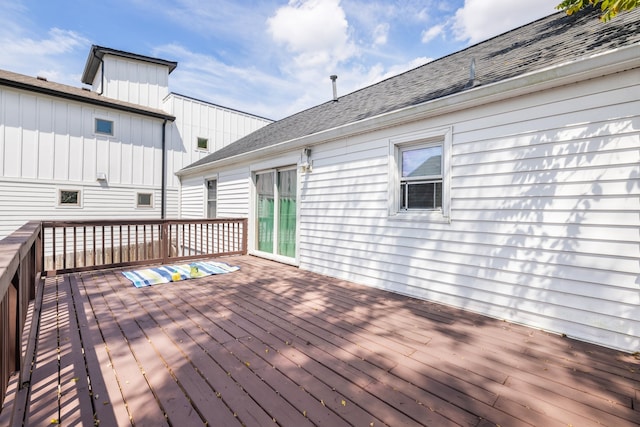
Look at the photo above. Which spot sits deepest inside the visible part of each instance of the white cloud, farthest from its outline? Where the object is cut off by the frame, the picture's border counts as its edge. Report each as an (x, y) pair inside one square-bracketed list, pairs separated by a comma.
[(479, 20), (380, 34), (246, 89), (48, 56), (432, 33), (315, 31)]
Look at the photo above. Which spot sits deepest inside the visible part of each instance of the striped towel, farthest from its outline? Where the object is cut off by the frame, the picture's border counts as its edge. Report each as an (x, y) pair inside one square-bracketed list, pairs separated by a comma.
[(174, 273)]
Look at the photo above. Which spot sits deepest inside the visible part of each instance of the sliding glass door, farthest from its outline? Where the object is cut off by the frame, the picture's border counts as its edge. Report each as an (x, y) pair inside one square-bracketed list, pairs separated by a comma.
[(265, 211), (276, 212)]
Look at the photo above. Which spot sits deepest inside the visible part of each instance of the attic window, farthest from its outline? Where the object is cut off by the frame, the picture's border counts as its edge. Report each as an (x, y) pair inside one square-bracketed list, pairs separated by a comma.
[(104, 127), (203, 144)]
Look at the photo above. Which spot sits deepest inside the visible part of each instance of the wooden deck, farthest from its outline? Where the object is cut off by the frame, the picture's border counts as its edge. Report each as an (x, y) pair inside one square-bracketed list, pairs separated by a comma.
[(274, 345)]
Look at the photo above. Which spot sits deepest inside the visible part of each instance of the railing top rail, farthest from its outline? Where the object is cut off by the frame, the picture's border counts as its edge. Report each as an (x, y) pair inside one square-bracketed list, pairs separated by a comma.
[(80, 245), (109, 222), (13, 248)]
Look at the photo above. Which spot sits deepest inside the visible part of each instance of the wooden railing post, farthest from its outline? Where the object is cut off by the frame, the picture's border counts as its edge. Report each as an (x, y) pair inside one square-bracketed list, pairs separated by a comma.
[(164, 243), (245, 236)]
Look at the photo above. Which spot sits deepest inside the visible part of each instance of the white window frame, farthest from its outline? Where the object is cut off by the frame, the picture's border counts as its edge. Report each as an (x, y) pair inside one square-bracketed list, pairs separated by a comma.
[(95, 126), (138, 205), (290, 160), (206, 196), (69, 205), (198, 138), (426, 138)]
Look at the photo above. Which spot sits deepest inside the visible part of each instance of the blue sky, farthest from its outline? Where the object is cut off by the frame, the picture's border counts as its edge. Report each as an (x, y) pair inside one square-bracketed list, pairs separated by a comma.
[(270, 58)]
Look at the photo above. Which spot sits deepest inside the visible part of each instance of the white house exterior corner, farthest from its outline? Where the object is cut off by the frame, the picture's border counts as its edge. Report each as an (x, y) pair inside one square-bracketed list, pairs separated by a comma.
[(106, 153), (515, 195)]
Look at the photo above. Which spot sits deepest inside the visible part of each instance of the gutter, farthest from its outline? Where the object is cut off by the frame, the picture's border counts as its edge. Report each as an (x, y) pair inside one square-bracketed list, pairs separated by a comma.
[(577, 70), (163, 189)]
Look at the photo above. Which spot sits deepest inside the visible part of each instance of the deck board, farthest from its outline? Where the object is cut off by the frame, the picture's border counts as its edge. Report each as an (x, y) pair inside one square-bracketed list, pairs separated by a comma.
[(273, 345)]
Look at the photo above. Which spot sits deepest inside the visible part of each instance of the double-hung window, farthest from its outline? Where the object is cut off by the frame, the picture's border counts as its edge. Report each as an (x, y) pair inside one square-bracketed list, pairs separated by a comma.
[(421, 177)]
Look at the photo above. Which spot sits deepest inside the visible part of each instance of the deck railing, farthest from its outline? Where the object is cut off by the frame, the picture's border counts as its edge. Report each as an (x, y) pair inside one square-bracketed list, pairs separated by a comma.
[(20, 260), (41, 248), (86, 245)]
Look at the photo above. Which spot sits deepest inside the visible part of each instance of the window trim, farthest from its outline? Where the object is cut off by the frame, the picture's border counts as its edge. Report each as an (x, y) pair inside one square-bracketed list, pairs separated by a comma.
[(440, 136), (95, 126), (69, 205), (206, 196), (141, 206), (201, 138)]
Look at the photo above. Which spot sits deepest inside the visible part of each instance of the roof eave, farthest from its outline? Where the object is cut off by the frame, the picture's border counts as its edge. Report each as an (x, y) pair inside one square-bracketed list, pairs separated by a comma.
[(612, 61), (103, 102), (98, 52)]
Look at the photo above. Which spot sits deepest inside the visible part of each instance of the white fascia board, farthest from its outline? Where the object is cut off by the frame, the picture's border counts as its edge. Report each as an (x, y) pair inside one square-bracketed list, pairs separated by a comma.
[(589, 67)]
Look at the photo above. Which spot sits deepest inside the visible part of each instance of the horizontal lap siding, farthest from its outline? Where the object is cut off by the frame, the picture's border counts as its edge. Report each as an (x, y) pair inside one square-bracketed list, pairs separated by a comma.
[(24, 201), (545, 213), (233, 190), (192, 198)]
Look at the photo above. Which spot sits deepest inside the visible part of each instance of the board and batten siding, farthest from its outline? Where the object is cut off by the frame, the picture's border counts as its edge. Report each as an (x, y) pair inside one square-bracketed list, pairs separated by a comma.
[(545, 213), (51, 139), (47, 144), (133, 81), (198, 119)]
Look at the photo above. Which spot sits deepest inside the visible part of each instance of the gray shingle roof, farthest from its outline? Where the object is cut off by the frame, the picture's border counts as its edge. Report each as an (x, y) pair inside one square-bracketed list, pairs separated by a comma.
[(33, 84), (555, 39)]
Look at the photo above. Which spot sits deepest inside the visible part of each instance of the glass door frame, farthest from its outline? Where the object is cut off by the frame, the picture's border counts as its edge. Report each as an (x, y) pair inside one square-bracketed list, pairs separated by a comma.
[(254, 223)]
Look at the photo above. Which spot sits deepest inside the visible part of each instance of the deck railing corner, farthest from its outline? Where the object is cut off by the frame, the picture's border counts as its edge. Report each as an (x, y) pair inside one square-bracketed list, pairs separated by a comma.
[(20, 267)]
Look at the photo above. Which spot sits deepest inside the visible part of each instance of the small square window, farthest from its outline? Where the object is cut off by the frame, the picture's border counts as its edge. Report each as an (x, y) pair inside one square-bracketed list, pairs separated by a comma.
[(145, 200), (203, 144), (104, 127), (69, 198)]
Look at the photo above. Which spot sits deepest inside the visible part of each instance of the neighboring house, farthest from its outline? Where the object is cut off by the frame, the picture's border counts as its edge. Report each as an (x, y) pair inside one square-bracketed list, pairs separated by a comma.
[(72, 153), (503, 179)]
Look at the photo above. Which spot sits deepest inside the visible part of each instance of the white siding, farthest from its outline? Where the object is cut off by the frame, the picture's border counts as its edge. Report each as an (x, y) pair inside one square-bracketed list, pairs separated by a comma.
[(192, 198), (25, 200), (233, 187), (50, 139), (134, 81), (195, 119), (545, 202), (46, 142)]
